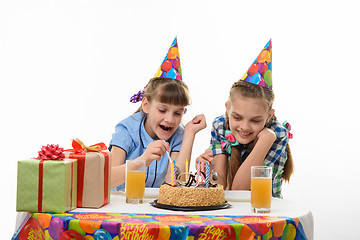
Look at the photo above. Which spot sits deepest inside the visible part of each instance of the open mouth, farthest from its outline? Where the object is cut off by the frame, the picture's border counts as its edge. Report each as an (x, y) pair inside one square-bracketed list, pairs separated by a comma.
[(165, 128)]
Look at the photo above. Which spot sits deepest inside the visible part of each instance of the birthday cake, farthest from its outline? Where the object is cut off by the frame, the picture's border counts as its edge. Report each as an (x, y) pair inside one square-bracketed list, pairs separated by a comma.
[(191, 196)]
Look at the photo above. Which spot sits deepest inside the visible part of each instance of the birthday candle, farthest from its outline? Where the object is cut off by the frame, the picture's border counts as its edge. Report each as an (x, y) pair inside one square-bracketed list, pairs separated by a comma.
[(202, 170), (197, 173), (174, 165), (187, 170), (207, 173), (172, 173)]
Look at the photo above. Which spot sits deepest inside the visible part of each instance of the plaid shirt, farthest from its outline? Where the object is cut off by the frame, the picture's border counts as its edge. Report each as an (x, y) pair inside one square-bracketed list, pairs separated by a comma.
[(275, 158)]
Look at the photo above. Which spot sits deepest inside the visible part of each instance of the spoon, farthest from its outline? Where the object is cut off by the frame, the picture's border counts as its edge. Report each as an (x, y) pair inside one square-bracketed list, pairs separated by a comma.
[(214, 174)]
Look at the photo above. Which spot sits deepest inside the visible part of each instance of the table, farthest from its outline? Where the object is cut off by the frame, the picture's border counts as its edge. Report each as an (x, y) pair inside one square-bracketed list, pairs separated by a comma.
[(143, 221)]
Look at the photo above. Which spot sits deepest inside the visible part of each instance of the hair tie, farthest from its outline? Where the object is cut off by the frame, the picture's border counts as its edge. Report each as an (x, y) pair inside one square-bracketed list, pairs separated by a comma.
[(228, 141), (137, 97), (288, 128)]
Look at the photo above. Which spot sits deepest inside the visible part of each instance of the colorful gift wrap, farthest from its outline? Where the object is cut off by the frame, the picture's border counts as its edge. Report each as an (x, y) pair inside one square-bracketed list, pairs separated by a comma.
[(115, 226), (93, 173), (46, 185)]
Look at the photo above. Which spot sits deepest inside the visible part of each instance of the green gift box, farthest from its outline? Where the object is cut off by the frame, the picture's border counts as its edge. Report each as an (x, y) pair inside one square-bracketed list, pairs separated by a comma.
[(46, 185)]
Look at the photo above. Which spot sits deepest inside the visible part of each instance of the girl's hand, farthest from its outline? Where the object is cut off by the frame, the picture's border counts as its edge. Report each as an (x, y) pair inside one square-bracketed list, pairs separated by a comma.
[(196, 124), (154, 151), (217, 163), (206, 156), (267, 135)]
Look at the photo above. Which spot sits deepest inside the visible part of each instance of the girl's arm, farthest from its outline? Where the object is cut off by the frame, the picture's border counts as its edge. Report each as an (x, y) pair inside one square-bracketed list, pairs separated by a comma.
[(263, 143), (118, 167), (154, 151), (219, 163), (194, 126)]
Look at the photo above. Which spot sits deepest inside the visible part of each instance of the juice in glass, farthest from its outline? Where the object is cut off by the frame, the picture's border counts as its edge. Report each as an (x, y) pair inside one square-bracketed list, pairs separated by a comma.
[(135, 181), (261, 192), (261, 189), (135, 185)]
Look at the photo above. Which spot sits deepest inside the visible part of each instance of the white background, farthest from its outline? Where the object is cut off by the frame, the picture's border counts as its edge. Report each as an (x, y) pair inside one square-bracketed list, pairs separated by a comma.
[(68, 69)]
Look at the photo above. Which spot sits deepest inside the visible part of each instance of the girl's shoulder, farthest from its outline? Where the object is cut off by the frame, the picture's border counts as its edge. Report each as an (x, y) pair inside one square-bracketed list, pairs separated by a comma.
[(132, 119), (278, 128), (218, 125), (219, 120), (130, 125), (126, 135)]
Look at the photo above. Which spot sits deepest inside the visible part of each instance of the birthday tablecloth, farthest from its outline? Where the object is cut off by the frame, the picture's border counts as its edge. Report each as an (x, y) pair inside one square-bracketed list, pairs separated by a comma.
[(114, 226)]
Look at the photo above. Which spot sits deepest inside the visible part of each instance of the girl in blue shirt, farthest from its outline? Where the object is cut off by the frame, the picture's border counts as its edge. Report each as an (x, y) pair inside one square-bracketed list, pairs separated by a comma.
[(154, 129)]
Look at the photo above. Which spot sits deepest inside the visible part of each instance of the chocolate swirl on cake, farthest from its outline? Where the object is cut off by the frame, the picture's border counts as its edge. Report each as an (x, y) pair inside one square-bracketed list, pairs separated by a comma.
[(191, 181)]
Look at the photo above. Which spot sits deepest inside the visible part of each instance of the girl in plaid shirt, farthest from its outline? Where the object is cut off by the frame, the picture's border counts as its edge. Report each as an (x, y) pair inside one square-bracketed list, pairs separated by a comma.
[(248, 134)]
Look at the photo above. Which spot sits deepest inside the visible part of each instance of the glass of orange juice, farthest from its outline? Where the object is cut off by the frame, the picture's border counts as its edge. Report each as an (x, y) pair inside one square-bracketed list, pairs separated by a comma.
[(135, 181), (261, 189)]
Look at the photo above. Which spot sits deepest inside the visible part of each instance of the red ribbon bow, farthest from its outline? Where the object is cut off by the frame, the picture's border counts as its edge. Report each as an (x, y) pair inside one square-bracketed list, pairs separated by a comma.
[(51, 152), (288, 128), (80, 147)]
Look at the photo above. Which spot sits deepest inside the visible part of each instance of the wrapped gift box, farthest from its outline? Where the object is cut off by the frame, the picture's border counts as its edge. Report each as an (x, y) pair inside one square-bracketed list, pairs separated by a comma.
[(46, 185), (94, 165)]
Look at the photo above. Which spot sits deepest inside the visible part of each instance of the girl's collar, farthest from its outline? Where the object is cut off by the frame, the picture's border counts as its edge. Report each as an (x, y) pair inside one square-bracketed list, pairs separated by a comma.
[(144, 136)]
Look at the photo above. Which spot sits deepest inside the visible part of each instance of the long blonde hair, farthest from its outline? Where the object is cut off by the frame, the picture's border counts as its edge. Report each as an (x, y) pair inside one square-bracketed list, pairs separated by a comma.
[(247, 89), (167, 90)]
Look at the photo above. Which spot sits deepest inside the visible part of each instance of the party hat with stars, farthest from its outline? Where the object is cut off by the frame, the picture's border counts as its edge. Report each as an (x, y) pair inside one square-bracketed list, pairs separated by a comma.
[(260, 71), (170, 66)]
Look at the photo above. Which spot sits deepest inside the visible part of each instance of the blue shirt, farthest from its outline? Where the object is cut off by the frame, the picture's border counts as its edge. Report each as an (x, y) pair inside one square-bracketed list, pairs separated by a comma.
[(131, 136)]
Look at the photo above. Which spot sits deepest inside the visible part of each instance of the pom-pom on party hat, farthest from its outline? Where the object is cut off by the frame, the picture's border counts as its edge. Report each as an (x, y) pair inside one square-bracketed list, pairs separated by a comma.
[(260, 71), (169, 68)]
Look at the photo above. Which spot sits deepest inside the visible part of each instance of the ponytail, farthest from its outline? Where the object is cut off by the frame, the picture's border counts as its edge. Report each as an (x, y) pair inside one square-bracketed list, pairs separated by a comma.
[(289, 165), (235, 159)]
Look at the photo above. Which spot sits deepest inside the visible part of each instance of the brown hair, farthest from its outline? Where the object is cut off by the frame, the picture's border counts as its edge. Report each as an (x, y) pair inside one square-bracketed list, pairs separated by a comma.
[(167, 90), (247, 89)]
